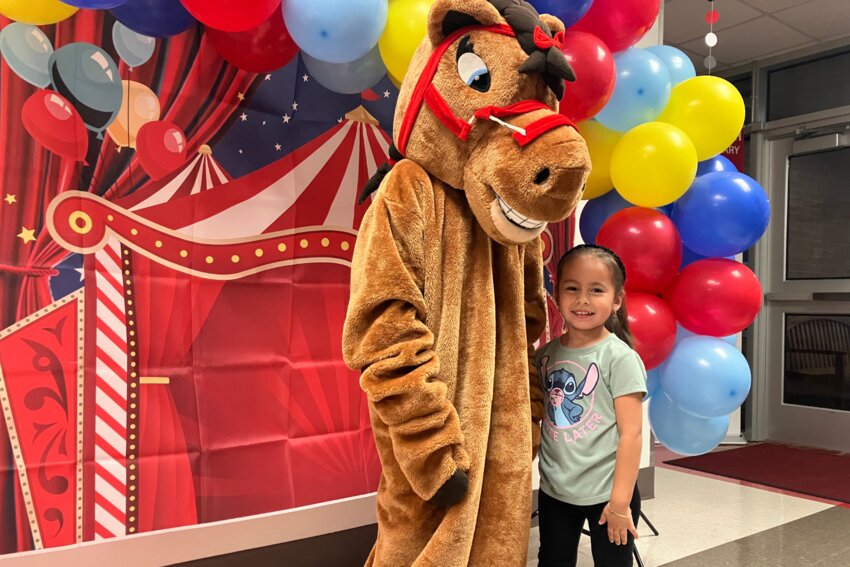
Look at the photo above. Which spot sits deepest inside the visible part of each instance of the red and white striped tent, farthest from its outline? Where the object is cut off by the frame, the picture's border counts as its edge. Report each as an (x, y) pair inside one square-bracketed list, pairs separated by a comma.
[(198, 174), (219, 311)]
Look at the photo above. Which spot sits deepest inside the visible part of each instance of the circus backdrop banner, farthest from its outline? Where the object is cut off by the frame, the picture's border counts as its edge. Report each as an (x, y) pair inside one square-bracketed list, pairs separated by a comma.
[(172, 297)]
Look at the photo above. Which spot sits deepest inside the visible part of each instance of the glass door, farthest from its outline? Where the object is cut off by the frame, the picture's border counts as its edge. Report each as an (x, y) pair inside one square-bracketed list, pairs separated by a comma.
[(802, 350)]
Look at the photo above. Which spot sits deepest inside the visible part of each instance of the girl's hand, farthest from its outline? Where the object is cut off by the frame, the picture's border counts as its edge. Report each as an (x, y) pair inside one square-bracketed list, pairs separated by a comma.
[(619, 526)]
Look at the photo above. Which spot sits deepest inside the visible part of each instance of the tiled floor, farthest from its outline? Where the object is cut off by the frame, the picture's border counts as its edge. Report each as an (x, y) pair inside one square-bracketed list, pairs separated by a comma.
[(706, 520)]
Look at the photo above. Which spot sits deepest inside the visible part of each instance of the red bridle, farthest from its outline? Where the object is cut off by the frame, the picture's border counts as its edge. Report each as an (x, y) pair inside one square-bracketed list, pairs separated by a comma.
[(425, 92)]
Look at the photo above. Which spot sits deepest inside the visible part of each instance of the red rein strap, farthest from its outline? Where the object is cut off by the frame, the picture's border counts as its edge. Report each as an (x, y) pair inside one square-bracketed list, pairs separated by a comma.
[(540, 127), (419, 92)]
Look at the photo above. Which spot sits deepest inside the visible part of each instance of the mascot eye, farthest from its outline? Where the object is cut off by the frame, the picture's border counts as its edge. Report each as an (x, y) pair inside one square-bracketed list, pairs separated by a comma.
[(570, 386), (474, 72)]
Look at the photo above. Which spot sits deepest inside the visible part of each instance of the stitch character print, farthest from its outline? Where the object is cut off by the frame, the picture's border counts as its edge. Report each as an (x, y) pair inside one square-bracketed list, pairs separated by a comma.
[(563, 391)]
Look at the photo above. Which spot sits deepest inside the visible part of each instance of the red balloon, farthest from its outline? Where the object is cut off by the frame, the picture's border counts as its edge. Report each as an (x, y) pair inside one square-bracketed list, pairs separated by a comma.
[(619, 23), (653, 327), (262, 49), (716, 297), (649, 245), (232, 15), (161, 147), (55, 124), (593, 64)]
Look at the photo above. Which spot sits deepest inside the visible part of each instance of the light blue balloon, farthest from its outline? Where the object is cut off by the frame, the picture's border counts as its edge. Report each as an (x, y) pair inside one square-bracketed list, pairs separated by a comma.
[(134, 48), (641, 93), (682, 432), (680, 66), (27, 51), (682, 334), (717, 163), (653, 382), (335, 31), (723, 213), (347, 78), (706, 377)]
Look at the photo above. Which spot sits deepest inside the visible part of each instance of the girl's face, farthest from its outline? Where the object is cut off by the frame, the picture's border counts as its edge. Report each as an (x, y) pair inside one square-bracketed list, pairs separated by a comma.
[(586, 294)]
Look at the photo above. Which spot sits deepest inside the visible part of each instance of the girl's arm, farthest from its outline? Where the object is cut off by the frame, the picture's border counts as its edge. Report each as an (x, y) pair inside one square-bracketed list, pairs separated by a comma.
[(628, 409)]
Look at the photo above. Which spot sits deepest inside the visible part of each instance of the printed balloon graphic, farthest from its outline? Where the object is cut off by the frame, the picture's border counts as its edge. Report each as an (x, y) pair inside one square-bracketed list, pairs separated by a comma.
[(88, 77), (161, 147), (139, 105), (27, 52), (134, 48), (55, 124)]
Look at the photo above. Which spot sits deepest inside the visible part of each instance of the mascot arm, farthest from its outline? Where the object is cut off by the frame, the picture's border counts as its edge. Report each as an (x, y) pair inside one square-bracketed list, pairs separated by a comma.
[(535, 323), (386, 338)]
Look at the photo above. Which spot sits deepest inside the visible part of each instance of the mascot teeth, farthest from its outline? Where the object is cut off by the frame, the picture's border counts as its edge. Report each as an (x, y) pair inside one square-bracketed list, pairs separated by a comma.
[(518, 219)]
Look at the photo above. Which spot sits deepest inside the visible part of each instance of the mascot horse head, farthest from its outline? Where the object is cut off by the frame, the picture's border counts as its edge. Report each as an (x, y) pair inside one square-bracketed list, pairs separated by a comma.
[(478, 110)]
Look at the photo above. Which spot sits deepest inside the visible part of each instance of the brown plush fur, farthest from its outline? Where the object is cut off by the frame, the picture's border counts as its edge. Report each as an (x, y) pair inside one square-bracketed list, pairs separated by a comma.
[(446, 300)]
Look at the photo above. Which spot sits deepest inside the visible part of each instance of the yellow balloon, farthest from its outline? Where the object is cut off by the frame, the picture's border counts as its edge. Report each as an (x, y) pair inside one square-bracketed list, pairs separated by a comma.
[(710, 110), (406, 26), (600, 142), (36, 12), (139, 105), (653, 164)]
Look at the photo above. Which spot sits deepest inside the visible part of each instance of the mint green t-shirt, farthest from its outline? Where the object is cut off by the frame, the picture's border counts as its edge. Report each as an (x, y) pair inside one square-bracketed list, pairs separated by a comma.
[(580, 437)]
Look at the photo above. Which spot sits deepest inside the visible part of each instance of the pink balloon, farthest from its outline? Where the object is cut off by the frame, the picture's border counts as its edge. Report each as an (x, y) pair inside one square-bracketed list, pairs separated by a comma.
[(593, 64), (653, 327), (716, 297), (619, 23), (649, 245)]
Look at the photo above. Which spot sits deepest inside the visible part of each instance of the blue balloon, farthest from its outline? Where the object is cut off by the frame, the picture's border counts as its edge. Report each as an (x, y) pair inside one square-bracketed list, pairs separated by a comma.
[(667, 210), (335, 31), (347, 78), (95, 4), (682, 334), (88, 77), (706, 377), (722, 214), (717, 163), (641, 92), (597, 211), (27, 52), (682, 432), (154, 18), (569, 11), (680, 66), (689, 256), (653, 382), (134, 48)]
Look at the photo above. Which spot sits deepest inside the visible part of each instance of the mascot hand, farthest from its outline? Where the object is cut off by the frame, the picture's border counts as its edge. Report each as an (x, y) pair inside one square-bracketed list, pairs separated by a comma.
[(452, 491)]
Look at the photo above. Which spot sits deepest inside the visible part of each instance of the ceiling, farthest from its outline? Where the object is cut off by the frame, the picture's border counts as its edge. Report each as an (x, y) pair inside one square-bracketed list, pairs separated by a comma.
[(751, 30)]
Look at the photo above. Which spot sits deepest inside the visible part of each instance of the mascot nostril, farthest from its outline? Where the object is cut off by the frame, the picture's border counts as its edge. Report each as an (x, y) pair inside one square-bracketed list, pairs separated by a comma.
[(542, 176), (447, 294)]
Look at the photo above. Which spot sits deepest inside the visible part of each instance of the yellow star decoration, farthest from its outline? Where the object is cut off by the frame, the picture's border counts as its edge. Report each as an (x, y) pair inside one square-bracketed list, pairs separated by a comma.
[(10, 198), (27, 235), (240, 96)]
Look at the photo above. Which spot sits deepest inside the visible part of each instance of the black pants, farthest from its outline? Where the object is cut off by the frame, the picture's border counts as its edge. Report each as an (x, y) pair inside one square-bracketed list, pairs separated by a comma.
[(560, 531)]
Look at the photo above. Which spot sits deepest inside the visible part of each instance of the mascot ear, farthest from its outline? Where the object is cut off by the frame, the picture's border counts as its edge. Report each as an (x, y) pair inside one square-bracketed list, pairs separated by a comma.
[(447, 16), (555, 25)]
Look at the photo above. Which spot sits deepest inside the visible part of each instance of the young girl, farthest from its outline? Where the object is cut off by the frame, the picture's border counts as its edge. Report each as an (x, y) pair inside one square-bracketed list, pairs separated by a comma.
[(593, 383)]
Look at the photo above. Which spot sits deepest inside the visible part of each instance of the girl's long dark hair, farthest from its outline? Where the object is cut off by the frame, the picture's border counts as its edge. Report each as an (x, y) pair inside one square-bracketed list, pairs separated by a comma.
[(618, 322)]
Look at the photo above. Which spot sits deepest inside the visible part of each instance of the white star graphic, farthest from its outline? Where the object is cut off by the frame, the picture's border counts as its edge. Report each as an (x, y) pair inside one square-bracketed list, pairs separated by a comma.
[(240, 151), (277, 147), (294, 106), (264, 122), (286, 118), (82, 273), (244, 117), (269, 77), (339, 120), (386, 94), (306, 77)]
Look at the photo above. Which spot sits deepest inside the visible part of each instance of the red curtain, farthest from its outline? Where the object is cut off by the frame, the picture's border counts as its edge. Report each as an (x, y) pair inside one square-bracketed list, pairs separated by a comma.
[(198, 91)]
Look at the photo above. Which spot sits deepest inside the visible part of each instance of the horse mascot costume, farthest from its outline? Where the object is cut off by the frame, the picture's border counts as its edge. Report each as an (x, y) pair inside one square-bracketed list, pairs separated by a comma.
[(447, 291)]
